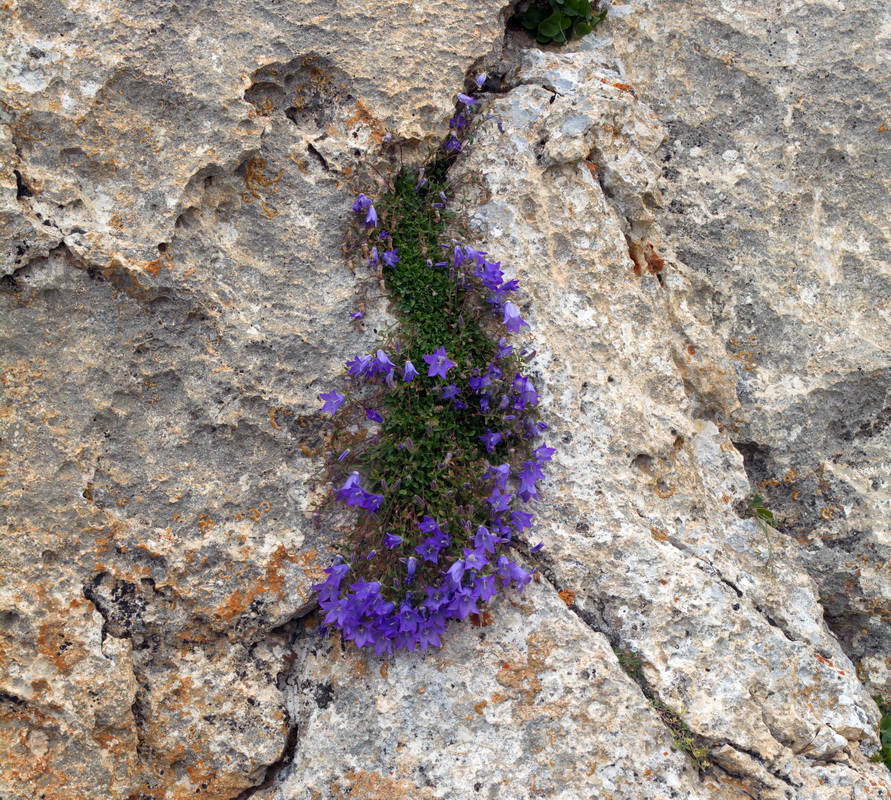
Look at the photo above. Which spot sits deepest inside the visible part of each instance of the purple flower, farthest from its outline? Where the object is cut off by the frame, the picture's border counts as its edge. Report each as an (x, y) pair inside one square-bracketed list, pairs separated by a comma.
[(411, 567), (504, 349), (536, 548), (543, 453), (484, 540), (436, 597), (490, 440), (366, 590), (500, 473), (452, 143), (467, 99), (429, 525), (526, 391), (521, 519), (499, 501), (474, 559), (409, 619), (463, 603), (428, 636), (371, 217), (351, 492), (512, 318), (356, 315), (480, 80), (439, 364), (373, 415), (450, 391), (344, 454), (362, 202), (484, 588), (358, 365), (382, 363), (409, 372), (391, 257), (528, 476), (391, 540), (375, 258), (455, 572), (429, 549), (333, 401)]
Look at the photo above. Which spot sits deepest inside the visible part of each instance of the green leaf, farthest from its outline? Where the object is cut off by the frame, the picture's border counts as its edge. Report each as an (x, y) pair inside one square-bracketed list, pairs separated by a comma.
[(560, 38), (565, 22), (541, 38), (598, 18), (551, 26), (533, 16), (581, 28)]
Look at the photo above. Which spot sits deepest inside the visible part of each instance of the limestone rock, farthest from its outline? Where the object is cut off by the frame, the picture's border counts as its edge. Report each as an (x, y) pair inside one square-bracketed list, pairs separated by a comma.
[(174, 193), (643, 525), (175, 184), (531, 703), (776, 174)]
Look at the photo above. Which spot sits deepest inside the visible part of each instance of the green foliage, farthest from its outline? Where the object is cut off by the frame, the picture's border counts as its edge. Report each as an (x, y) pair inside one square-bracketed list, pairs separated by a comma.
[(560, 21), (683, 738), (427, 457), (765, 519), (884, 754), (630, 662)]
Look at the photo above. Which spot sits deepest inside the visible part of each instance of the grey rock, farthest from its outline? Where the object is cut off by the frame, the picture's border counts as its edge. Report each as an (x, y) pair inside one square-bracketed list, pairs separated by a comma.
[(776, 173)]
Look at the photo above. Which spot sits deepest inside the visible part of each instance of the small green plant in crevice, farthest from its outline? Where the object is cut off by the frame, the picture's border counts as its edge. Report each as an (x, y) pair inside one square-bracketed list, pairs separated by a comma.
[(682, 737), (560, 21), (884, 754), (630, 662), (432, 440), (765, 520)]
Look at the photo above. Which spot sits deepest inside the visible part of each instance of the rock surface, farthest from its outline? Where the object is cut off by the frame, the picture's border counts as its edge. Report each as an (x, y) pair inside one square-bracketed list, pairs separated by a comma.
[(175, 300), (776, 173), (175, 183)]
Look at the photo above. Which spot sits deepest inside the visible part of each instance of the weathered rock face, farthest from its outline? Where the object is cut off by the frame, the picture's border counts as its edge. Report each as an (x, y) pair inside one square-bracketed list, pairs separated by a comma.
[(176, 300), (175, 185), (776, 173)]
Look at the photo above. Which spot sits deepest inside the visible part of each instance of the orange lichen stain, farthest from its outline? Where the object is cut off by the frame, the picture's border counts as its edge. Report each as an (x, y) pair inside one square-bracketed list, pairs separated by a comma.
[(384, 670), (55, 645), (363, 115), (523, 679), (796, 494), (153, 267), (790, 477), (480, 706), (664, 493), (691, 350), (655, 262), (828, 512), (483, 620), (374, 786), (658, 534), (567, 596)]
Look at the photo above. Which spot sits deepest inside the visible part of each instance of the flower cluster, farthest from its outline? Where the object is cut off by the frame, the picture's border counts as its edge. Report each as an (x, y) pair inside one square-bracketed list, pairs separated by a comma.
[(433, 437)]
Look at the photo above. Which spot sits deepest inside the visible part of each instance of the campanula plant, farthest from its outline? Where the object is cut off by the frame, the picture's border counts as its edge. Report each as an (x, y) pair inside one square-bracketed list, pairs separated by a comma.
[(434, 434), (560, 21)]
